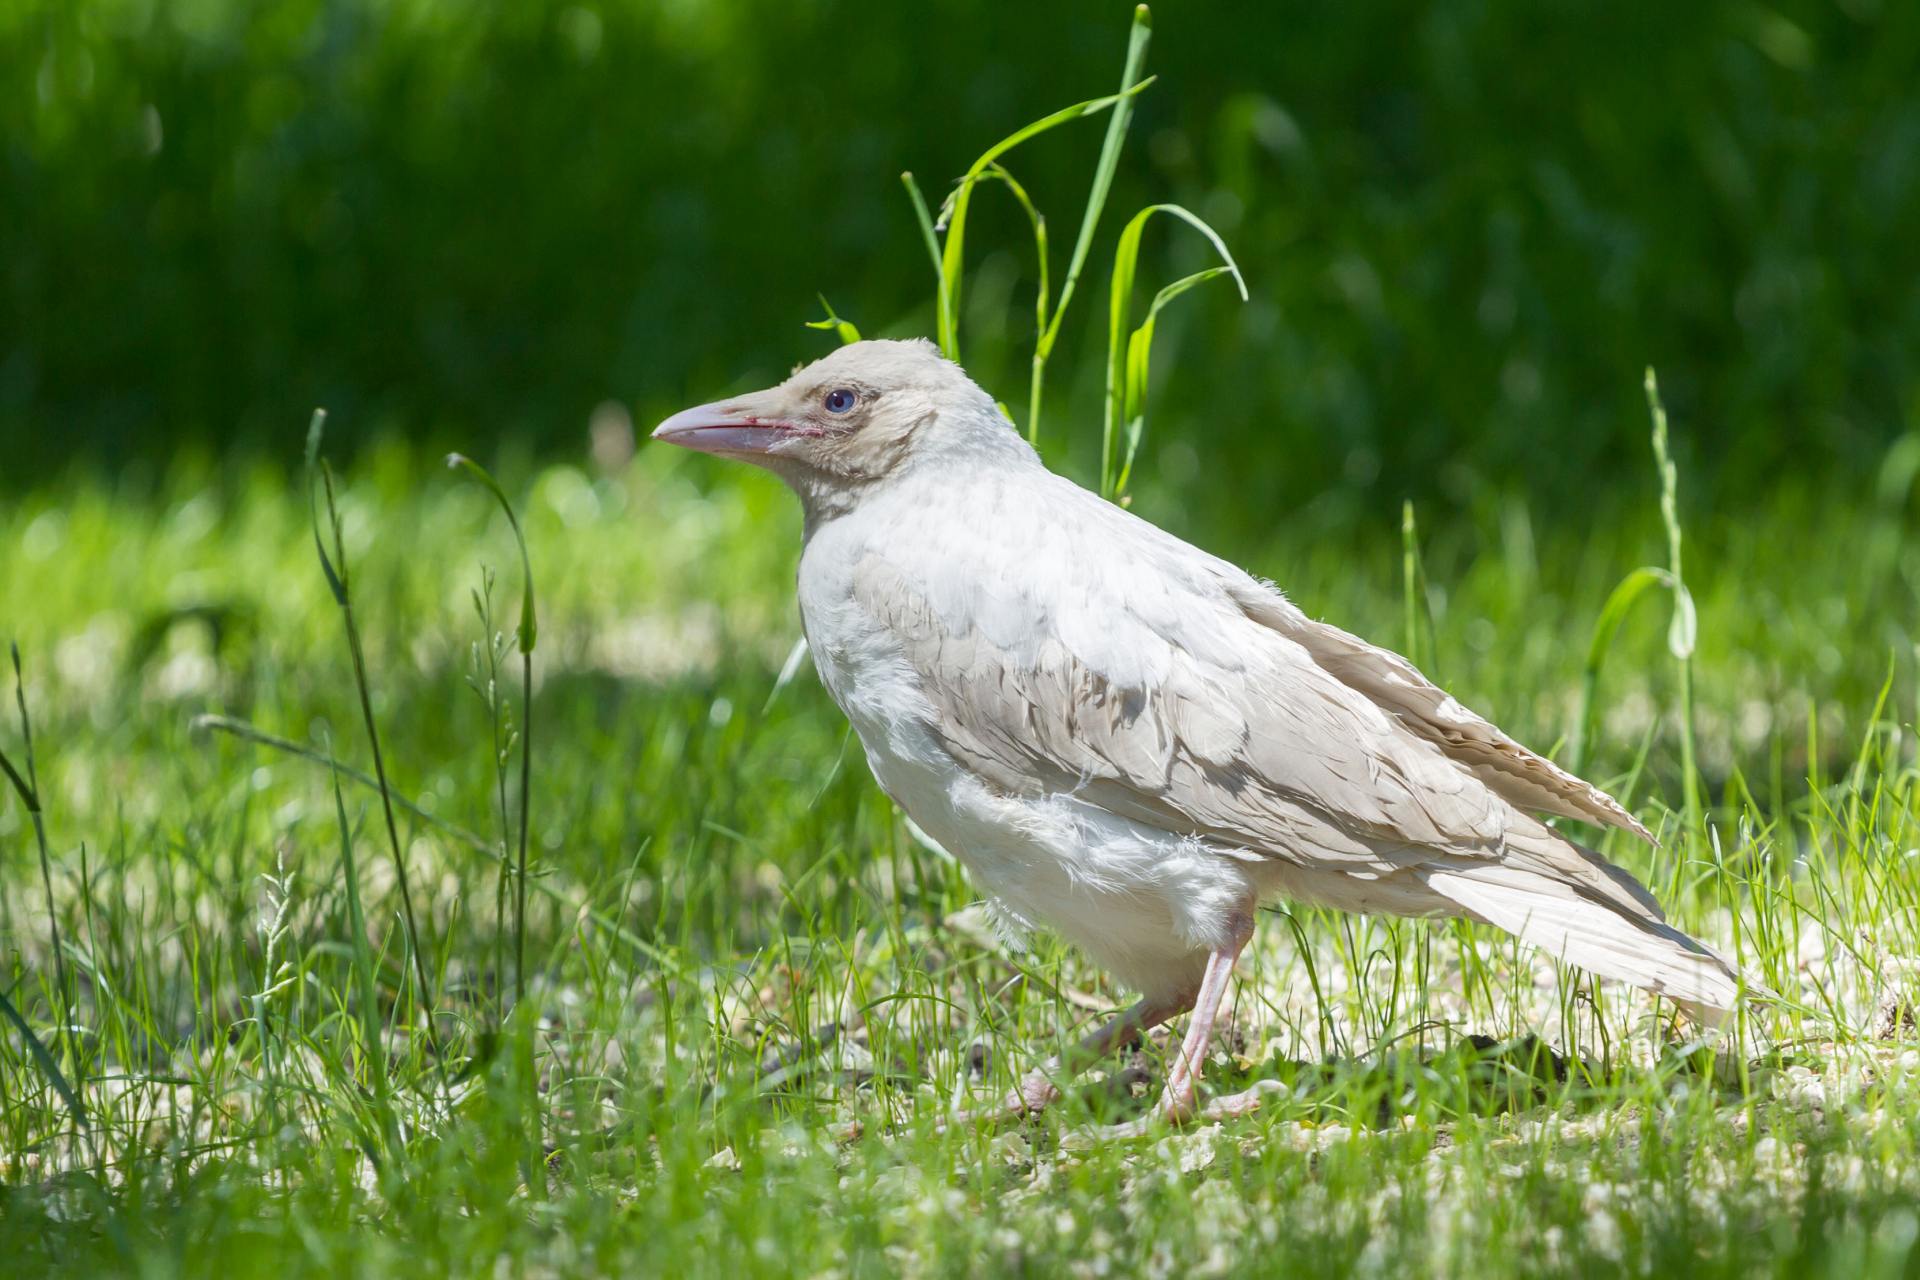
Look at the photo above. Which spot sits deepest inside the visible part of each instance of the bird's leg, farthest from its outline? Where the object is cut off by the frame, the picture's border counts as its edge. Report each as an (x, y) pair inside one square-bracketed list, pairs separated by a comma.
[(1037, 1090), (1183, 1077)]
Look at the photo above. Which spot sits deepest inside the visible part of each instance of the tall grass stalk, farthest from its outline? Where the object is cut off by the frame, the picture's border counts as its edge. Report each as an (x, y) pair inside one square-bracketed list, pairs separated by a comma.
[(276, 976), (928, 234), (526, 635), (1410, 580), (949, 255), (336, 571), (372, 1035), (1129, 353), (1129, 349), (954, 213), (1037, 222), (484, 677), (44, 1059), (27, 786), (668, 962), (1110, 146), (1682, 625), (1681, 632), (1416, 600)]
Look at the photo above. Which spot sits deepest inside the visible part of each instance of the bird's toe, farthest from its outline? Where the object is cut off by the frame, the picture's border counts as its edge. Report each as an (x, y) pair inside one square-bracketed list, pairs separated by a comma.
[(1035, 1093), (1235, 1105)]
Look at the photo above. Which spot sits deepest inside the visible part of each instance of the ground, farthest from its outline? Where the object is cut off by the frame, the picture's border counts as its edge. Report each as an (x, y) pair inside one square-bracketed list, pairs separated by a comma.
[(752, 998)]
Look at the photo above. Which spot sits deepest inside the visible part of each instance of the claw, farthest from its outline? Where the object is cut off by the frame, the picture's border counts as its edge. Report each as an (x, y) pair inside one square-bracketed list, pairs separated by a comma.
[(1246, 1102), (1231, 1107), (1034, 1094)]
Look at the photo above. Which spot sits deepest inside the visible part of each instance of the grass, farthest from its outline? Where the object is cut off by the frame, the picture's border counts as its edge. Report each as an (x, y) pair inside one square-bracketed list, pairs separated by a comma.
[(1129, 350), (752, 995), (299, 978)]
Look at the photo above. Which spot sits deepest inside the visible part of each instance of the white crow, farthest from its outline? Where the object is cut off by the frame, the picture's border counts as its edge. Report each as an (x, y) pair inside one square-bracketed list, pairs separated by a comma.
[(1134, 742)]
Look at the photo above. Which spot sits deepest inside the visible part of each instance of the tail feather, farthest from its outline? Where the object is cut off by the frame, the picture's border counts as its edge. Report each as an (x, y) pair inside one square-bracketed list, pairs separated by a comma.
[(1621, 936)]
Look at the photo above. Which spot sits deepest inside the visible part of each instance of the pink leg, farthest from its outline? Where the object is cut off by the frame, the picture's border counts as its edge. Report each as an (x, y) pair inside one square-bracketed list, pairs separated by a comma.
[(1183, 1077), (1036, 1090)]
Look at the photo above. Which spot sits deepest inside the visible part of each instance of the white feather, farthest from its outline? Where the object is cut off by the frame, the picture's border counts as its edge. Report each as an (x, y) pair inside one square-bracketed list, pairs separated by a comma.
[(1130, 740)]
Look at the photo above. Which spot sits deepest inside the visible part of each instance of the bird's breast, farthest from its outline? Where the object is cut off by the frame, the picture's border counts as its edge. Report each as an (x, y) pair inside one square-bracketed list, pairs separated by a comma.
[(865, 670)]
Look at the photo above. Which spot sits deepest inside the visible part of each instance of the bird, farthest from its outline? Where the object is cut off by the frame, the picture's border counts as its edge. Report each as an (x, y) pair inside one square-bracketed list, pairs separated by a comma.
[(1135, 743)]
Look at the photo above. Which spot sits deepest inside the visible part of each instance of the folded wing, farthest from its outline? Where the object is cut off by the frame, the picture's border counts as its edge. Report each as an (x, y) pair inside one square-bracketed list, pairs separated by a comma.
[(1526, 780), (1103, 656)]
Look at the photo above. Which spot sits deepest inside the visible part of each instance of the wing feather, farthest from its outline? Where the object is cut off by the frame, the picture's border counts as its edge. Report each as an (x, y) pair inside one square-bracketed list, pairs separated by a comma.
[(1525, 779), (1255, 747)]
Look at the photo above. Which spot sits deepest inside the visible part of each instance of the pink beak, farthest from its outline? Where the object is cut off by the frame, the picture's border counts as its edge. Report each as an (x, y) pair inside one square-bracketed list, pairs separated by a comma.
[(726, 427)]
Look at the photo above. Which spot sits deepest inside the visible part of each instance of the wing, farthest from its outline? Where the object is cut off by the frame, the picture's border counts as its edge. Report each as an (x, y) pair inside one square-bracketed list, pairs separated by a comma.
[(1524, 779), (1085, 650)]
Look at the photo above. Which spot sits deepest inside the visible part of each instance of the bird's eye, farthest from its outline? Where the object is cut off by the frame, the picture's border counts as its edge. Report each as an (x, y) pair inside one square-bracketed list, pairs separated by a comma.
[(841, 400)]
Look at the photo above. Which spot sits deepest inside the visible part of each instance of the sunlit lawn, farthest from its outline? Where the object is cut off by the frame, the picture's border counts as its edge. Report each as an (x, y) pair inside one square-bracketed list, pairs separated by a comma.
[(752, 996)]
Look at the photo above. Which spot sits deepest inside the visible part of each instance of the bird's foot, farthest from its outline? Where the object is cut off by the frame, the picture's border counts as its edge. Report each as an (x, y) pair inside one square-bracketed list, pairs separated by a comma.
[(1246, 1102), (1181, 1113), (1034, 1094)]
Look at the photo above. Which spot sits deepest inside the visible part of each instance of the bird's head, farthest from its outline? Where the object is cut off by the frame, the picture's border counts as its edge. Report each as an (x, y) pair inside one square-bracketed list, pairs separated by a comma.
[(861, 416)]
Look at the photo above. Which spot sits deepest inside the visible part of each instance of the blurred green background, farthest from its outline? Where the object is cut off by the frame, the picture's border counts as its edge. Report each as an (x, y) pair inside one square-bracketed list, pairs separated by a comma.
[(1466, 227)]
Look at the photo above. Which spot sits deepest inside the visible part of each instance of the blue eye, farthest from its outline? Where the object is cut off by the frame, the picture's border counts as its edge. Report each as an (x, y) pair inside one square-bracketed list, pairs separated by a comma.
[(841, 400)]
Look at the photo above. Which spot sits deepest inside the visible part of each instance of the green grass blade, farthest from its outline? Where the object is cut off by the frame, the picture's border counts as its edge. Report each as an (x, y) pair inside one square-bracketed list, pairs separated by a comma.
[(28, 788), (843, 329), (925, 219), (529, 630), (529, 633), (1680, 632), (1139, 362), (1180, 286), (371, 1029), (1410, 580), (1128, 354), (336, 582), (1037, 222), (1047, 328), (788, 670), (251, 733), (19, 784), (46, 1062), (1140, 35), (1613, 613), (953, 253), (1619, 603)]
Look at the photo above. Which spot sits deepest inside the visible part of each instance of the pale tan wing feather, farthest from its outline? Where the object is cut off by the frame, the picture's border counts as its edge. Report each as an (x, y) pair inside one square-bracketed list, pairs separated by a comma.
[(1525, 779), (1179, 710)]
